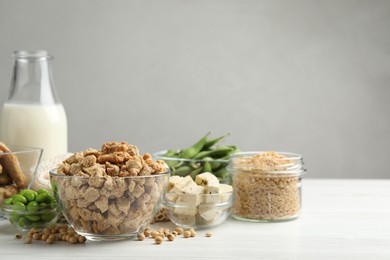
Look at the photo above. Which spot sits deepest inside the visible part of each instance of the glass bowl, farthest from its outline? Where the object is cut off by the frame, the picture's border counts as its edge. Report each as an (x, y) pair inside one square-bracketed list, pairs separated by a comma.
[(109, 208), (24, 219), (193, 167), (198, 210), (17, 169)]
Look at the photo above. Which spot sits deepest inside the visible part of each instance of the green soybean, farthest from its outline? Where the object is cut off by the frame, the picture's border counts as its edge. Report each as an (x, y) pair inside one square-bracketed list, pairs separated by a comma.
[(18, 206), (33, 217), (42, 205), (48, 216), (7, 201), (18, 198), (23, 222), (43, 198), (13, 220), (53, 205), (38, 224), (32, 206), (29, 194), (42, 190)]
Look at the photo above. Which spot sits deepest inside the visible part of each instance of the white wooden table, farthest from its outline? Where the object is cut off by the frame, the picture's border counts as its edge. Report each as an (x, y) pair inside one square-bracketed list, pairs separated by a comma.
[(341, 219)]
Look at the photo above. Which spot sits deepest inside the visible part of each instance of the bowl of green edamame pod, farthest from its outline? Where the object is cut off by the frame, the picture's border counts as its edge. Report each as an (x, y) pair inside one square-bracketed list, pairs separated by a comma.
[(31, 208), (206, 155)]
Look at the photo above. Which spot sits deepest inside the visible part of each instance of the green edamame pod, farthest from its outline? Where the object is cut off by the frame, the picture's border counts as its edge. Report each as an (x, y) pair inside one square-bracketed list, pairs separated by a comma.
[(214, 165), (216, 153), (203, 154), (223, 165), (172, 163), (195, 165), (190, 152), (221, 151), (170, 153), (210, 143), (196, 172), (182, 171), (234, 149), (207, 167), (221, 173)]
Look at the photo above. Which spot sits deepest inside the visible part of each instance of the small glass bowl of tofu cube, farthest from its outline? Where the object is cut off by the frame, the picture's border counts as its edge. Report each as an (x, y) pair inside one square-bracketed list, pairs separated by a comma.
[(199, 203)]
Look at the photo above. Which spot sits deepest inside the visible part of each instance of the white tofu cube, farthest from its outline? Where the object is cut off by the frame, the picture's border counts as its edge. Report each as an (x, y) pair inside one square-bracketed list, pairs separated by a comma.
[(187, 219), (225, 191), (186, 181), (225, 188), (209, 213), (190, 195), (185, 210), (210, 198), (174, 182), (209, 181)]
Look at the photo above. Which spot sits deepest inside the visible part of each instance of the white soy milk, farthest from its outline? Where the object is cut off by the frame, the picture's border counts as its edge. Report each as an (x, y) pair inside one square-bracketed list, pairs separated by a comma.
[(40, 125)]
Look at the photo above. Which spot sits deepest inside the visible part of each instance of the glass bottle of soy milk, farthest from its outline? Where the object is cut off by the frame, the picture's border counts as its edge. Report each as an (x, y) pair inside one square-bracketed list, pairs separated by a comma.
[(33, 115)]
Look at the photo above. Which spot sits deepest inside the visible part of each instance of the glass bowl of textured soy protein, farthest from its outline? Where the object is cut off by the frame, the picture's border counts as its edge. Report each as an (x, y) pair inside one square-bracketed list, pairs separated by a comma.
[(267, 185), (112, 193)]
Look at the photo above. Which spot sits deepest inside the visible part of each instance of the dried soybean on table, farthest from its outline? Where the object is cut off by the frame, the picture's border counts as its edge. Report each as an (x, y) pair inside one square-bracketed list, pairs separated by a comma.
[(341, 219)]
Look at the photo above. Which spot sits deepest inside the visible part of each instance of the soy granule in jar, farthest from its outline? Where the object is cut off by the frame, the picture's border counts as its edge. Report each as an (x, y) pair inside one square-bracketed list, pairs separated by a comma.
[(267, 185)]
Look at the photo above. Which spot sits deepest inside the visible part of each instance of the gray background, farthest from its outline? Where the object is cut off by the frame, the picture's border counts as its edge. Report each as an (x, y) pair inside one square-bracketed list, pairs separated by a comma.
[(310, 77)]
